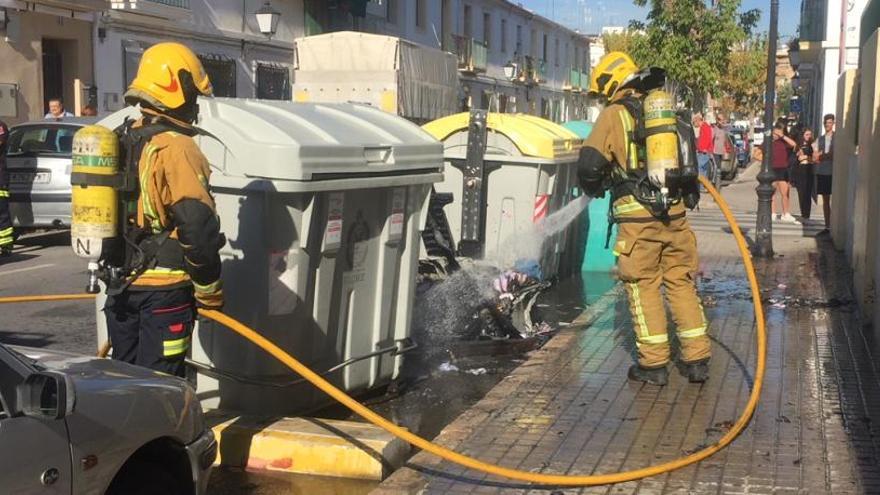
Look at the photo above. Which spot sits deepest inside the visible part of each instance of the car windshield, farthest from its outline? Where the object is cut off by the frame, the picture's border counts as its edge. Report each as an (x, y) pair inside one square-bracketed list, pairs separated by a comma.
[(41, 140)]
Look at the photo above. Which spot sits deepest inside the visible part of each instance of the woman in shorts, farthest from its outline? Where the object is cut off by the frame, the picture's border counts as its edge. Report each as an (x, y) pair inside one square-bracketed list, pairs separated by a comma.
[(782, 148)]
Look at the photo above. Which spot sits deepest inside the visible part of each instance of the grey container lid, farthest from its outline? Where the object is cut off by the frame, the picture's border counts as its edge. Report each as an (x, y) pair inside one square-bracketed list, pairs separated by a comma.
[(307, 142)]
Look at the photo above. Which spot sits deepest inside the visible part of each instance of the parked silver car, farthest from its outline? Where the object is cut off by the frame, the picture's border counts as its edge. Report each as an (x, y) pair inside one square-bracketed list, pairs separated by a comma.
[(39, 164), (72, 424)]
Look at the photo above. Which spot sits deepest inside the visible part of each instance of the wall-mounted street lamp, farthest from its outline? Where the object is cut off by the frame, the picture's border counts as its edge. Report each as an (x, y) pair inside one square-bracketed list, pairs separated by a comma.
[(267, 19), (510, 70)]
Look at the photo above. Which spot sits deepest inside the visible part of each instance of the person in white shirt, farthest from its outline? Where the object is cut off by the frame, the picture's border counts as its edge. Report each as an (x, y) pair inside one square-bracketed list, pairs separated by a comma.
[(56, 110), (823, 156)]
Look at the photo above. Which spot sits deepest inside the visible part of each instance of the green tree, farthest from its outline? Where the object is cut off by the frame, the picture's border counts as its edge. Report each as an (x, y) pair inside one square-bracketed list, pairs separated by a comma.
[(784, 92), (743, 79), (621, 42), (692, 40)]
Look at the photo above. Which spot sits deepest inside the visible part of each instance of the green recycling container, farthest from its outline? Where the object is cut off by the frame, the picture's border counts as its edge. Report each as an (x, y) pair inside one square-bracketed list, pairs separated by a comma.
[(596, 257)]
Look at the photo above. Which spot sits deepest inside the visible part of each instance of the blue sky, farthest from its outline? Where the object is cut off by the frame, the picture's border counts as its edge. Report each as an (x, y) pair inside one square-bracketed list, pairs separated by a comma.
[(598, 13)]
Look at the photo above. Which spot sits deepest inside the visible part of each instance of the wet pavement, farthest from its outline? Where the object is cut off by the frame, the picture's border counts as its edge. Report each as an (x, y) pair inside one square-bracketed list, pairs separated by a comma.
[(570, 408), (440, 380)]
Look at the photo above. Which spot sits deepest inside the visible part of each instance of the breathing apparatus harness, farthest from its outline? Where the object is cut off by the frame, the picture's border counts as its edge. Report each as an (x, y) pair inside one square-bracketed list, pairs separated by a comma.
[(138, 249), (662, 139)]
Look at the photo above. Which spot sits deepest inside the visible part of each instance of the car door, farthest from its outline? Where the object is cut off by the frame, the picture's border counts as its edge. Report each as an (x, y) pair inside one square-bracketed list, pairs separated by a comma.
[(34, 452)]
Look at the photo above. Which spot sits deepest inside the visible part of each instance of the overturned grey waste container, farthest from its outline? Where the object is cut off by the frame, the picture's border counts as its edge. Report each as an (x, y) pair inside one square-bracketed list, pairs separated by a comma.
[(322, 205)]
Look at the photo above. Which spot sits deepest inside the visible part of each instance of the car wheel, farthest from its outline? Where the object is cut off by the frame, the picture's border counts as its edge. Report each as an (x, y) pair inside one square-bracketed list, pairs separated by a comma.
[(146, 478)]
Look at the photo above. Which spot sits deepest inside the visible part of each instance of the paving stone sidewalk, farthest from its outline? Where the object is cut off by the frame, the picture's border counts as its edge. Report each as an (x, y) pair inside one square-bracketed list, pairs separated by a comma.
[(570, 408)]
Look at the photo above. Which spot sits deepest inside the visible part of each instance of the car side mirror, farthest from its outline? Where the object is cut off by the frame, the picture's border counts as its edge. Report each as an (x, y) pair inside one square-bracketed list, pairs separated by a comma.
[(46, 395)]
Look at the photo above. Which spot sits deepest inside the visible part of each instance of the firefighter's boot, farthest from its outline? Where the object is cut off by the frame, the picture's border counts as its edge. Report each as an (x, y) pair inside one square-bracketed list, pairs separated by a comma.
[(698, 371), (655, 376)]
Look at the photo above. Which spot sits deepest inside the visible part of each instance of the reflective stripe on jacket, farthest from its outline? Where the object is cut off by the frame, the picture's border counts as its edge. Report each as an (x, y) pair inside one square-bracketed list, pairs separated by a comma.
[(172, 168)]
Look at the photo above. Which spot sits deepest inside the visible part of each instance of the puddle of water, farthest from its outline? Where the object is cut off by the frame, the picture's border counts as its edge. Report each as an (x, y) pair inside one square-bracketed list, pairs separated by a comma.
[(456, 364)]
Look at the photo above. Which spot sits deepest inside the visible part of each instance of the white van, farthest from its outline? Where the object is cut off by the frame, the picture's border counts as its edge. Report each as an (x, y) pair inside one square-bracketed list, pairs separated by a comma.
[(758, 135)]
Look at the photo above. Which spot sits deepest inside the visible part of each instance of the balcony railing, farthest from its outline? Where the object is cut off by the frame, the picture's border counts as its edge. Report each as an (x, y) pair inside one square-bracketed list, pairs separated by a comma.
[(181, 4), (539, 72), (472, 55)]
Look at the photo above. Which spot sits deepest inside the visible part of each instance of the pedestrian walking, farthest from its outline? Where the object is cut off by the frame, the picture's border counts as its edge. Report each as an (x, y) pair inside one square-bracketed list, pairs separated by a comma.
[(719, 141), (705, 144), (823, 154), (6, 237), (655, 244), (151, 316), (782, 148), (803, 173)]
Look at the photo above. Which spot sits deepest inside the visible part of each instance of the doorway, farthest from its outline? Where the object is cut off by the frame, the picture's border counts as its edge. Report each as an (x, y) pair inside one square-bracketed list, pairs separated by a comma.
[(53, 72), (60, 68)]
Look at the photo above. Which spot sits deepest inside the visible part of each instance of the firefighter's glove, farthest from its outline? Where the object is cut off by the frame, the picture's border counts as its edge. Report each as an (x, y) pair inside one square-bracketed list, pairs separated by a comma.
[(593, 172), (209, 296), (657, 177)]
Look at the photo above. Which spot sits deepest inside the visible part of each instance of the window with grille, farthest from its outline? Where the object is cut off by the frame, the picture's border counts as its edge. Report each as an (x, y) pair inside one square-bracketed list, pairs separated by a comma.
[(273, 82), (221, 72), (421, 14), (556, 52), (487, 29)]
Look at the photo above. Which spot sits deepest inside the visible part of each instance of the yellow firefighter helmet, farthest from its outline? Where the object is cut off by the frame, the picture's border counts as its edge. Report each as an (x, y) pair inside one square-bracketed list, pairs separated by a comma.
[(169, 76), (613, 71)]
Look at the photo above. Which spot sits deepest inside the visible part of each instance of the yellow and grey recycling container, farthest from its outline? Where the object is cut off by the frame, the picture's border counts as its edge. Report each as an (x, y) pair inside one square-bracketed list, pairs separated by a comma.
[(322, 206), (527, 173)]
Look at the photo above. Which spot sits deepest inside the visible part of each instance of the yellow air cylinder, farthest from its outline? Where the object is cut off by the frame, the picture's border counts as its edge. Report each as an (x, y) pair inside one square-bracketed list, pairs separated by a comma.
[(94, 205), (662, 137)]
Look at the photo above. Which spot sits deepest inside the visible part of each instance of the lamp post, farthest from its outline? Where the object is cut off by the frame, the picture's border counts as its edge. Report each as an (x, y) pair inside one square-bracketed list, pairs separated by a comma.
[(764, 228), (267, 19)]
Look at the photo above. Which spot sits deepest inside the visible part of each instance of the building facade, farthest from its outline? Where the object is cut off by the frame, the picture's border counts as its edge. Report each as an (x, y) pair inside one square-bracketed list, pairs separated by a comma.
[(239, 59), (510, 59), (45, 48), (828, 45), (87, 51)]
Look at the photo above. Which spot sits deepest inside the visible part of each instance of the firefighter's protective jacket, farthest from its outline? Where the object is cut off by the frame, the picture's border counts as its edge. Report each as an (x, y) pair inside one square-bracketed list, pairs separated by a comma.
[(652, 252), (611, 150), (174, 194), (5, 218)]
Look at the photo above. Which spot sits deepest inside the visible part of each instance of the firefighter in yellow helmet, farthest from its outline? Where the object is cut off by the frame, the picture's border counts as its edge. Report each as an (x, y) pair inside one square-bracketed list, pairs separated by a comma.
[(655, 245), (6, 234), (171, 263)]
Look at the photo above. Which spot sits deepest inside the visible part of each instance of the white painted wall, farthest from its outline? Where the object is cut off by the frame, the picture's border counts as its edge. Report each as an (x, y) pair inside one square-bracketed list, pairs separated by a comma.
[(830, 65), (825, 80), (211, 27)]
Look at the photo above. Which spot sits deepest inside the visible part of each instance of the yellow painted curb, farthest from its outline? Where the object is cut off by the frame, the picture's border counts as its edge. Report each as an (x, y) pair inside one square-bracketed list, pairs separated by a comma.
[(322, 447)]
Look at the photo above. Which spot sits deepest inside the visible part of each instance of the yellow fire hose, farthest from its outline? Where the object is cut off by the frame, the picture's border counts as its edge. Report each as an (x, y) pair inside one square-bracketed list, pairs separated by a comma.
[(475, 464)]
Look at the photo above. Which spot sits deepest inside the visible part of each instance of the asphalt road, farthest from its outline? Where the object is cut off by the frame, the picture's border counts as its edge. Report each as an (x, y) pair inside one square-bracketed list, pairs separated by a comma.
[(44, 264)]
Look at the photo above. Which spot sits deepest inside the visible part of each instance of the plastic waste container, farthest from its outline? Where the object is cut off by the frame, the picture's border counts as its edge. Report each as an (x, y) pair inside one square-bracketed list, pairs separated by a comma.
[(528, 173), (596, 257), (322, 205)]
